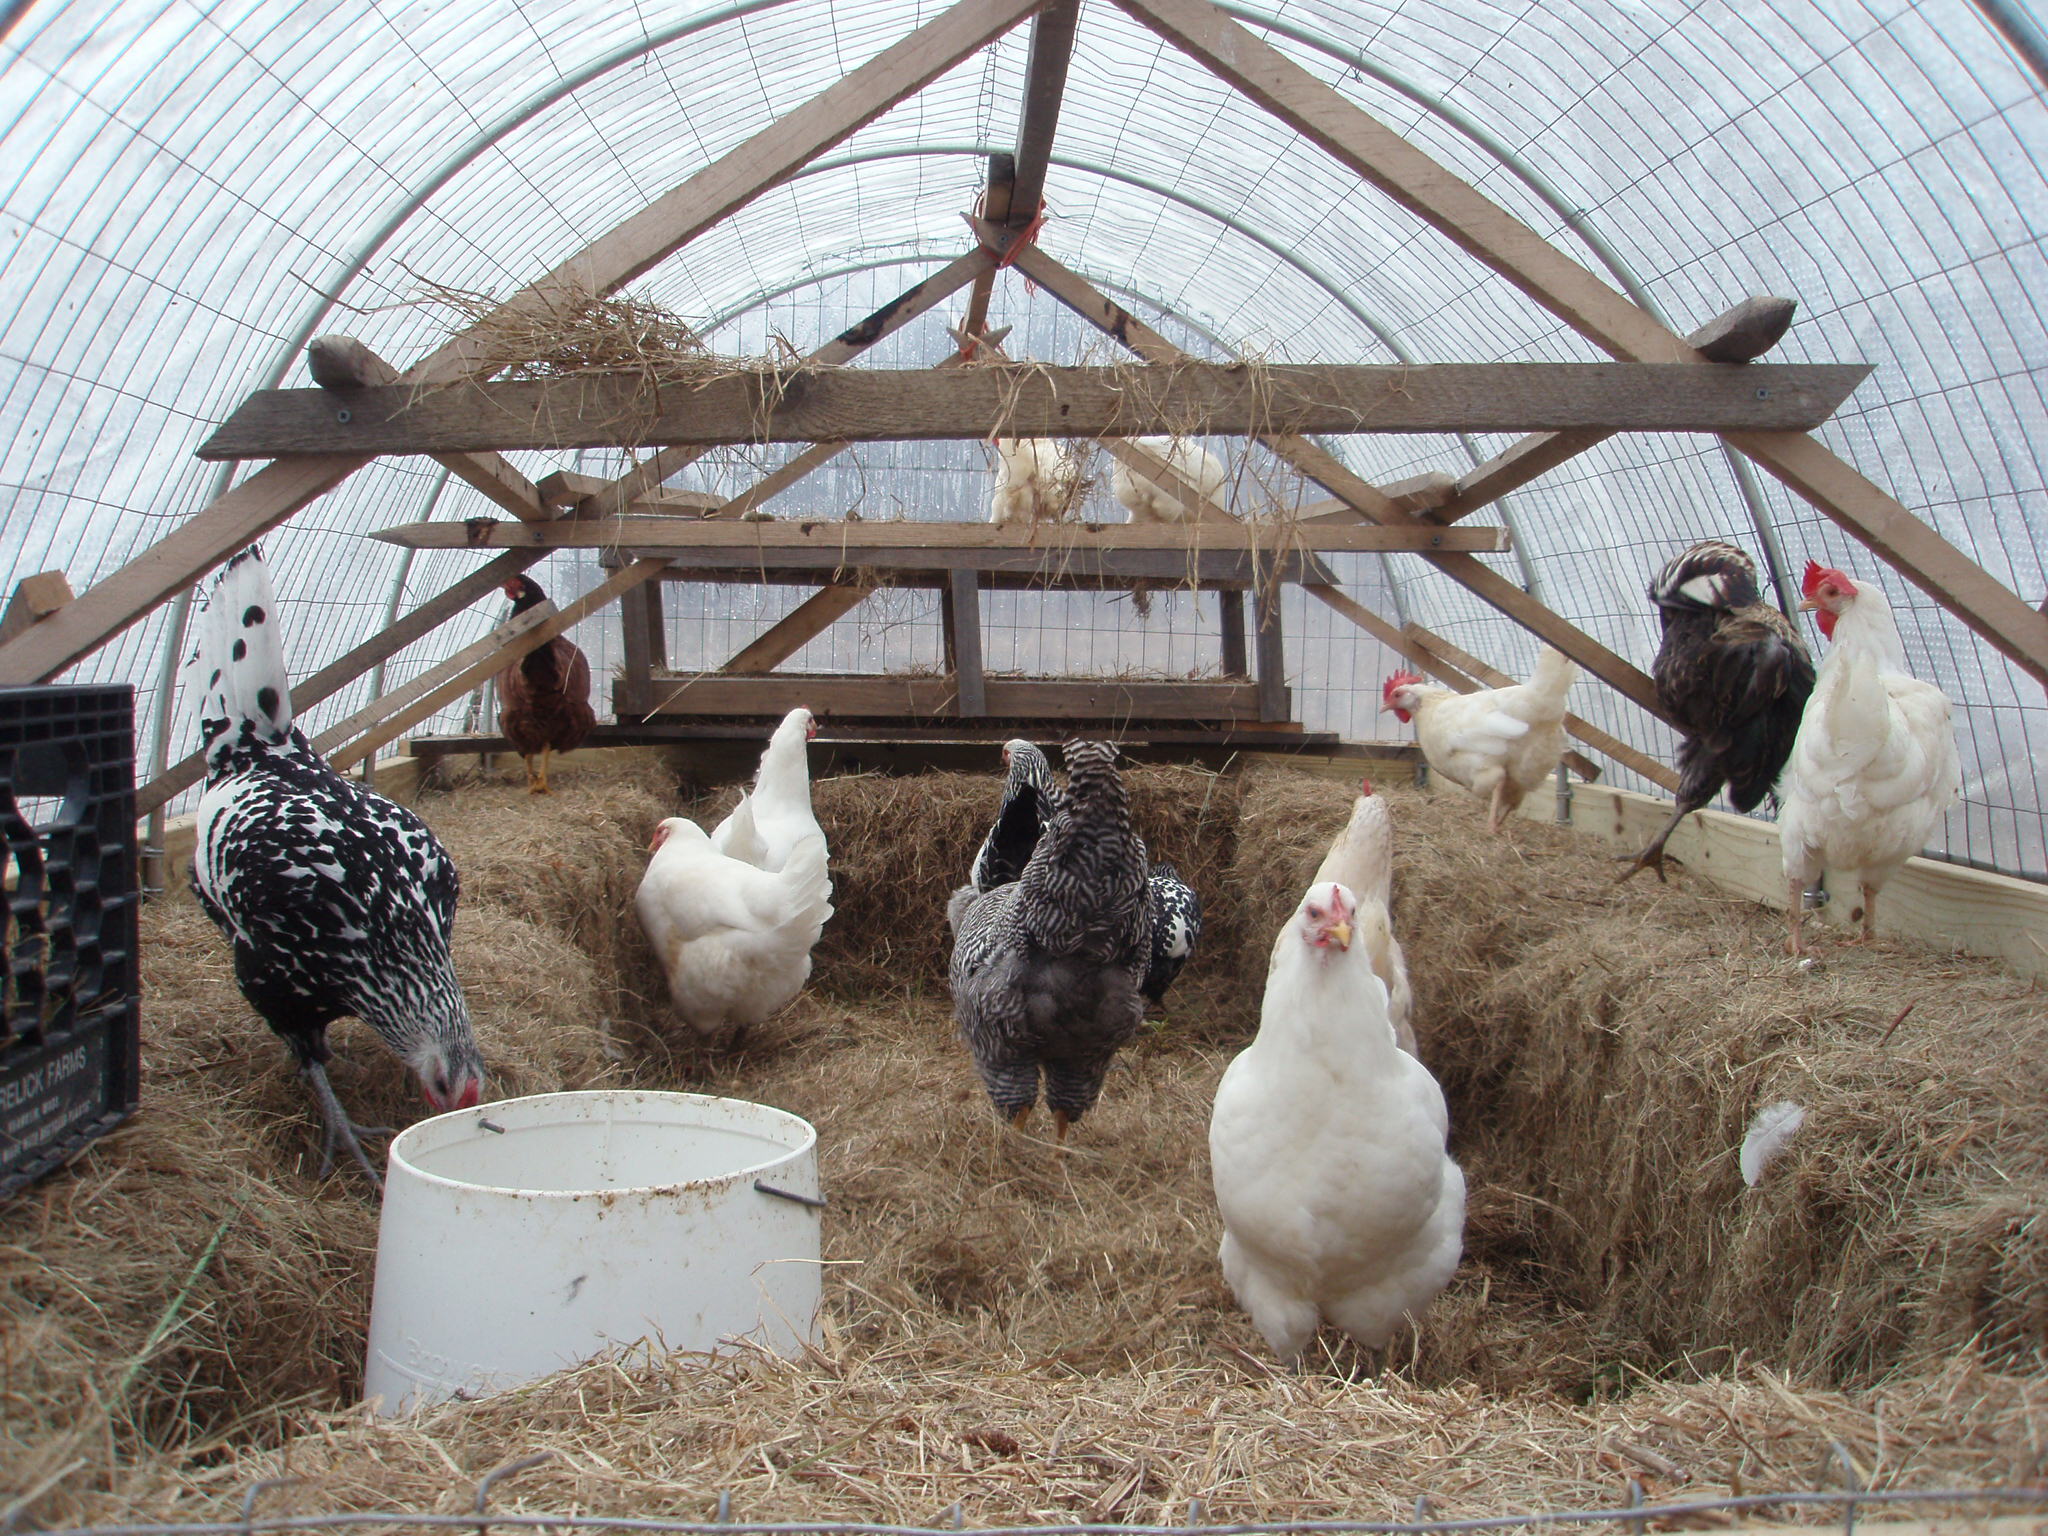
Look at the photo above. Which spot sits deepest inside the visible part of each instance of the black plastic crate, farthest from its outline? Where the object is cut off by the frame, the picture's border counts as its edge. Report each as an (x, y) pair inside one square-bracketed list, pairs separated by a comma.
[(70, 1028)]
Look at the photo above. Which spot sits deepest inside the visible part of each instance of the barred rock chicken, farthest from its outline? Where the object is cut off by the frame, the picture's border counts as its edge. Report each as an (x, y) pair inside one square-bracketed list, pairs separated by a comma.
[(1362, 861), (1732, 675), (336, 900), (1499, 743), (735, 941), (544, 697), (1046, 969), (1875, 766), (1029, 799), (1326, 1145)]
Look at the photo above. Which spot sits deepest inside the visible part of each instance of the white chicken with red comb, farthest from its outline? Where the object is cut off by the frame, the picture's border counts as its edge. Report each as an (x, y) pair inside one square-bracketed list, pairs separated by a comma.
[(1499, 743), (1874, 767), (1327, 1146)]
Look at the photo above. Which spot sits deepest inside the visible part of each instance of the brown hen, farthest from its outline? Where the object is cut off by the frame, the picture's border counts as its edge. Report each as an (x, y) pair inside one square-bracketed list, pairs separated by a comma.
[(544, 697)]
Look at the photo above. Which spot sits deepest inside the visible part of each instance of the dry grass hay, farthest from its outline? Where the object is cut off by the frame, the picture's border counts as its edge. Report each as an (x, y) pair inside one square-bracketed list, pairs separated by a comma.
[(1039, 1336)]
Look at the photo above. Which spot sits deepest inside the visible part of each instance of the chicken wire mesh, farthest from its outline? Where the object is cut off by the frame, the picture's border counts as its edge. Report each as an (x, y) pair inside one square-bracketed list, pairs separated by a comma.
[(187, 192)]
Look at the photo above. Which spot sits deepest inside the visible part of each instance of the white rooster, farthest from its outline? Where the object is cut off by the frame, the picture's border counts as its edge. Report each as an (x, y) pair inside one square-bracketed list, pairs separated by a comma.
[(735, 941), (1149, 502), (1499, 743), (1338, 1199), (1875, 764), (768, 824), (1362, 861)]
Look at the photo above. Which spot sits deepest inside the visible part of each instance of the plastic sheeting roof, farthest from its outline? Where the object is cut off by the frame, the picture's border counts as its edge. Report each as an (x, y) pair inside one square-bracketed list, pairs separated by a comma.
[(189, 190)]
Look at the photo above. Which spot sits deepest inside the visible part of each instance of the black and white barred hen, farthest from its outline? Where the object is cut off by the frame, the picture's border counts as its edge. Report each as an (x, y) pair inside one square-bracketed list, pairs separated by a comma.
[(337, 900), (1046, 969), (1732, 675), (1030, 797)]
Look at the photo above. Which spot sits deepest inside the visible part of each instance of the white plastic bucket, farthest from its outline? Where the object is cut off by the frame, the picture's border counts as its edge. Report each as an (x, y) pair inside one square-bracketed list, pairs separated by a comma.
[(587, 1221)]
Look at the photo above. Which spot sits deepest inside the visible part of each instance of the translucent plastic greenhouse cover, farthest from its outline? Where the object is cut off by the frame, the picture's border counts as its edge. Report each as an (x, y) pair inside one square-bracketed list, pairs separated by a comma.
[(188, 191)]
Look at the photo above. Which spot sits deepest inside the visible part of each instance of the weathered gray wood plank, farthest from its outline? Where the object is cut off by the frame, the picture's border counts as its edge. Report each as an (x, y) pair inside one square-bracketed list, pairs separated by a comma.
[(867, 405)]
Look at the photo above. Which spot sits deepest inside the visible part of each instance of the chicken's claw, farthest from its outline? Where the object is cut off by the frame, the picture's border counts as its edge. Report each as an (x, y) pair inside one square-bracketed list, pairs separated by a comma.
[(1650, 858)]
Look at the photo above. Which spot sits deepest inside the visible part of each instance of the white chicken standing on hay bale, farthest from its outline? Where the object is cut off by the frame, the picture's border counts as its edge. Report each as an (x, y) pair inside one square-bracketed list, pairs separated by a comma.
[(734, 914), (1874, 767), (1150, 502), (1326, 1146), (734, 941), (770, 822), (1036, 481), (1362, 861)]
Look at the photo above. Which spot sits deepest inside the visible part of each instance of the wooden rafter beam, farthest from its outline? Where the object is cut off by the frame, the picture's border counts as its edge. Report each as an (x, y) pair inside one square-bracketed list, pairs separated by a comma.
[(1367, 502), (274, 493), (1595, 310), (798, 628), (1037, 400), (994, 206), (835, 534), (1045, 85)]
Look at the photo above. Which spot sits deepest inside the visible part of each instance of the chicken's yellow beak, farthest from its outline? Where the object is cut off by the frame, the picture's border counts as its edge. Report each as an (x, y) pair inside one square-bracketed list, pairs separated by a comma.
[(1341, 932), (1808, 604)]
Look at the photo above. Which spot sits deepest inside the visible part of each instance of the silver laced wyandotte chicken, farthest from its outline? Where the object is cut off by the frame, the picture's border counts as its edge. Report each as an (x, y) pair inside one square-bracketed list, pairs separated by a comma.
[(337, 900), (1732, 675), (1046, 969), (544, 696)]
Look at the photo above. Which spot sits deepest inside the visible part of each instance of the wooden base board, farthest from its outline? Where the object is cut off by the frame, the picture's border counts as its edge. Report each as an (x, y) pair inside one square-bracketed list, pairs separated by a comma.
[(910, 698)]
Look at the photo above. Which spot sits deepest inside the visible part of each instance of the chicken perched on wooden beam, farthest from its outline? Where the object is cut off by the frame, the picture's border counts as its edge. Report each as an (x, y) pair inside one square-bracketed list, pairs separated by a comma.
[(1499, 743), (544, 697), (337, 900), (1732, 675), (1046, 969)]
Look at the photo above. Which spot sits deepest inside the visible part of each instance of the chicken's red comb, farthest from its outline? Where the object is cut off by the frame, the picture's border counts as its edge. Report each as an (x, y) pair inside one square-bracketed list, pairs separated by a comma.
[(1399, 680), (1816, 573), (1365, 789)]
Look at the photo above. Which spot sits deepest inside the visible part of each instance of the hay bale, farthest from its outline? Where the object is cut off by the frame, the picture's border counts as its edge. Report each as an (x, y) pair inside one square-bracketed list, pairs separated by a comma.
[(1043, 1336)]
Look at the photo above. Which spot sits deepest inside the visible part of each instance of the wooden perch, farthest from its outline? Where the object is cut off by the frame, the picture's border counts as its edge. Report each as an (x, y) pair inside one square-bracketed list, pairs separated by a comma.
[(867, 405), (685, 534), (35, 598)]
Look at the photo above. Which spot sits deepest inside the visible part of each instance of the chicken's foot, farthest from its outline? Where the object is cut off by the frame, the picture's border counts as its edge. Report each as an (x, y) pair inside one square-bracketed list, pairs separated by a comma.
[(341, 1130), (1652, 857)]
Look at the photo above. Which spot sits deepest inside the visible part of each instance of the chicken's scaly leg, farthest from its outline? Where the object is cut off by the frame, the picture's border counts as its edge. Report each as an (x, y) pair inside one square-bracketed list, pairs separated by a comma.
[(531, 780), (543, 790), (1652, 857), (1060, 1122), (1795, 909), (341, 1131), (1018, 1119)]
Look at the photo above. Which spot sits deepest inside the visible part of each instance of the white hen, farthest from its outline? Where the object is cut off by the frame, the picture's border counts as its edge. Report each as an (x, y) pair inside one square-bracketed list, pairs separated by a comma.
[(1327, 1148), (1499, 743), (1036, 480), (735, 941), (780, 806), (1362, 860), (1149, 502), (1875, 766)]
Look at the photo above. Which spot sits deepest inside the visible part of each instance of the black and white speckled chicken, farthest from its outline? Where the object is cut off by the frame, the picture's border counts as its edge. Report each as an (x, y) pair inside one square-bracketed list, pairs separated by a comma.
[(1030, 797), (1046, 969), (1732, 675), (337, 900)]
